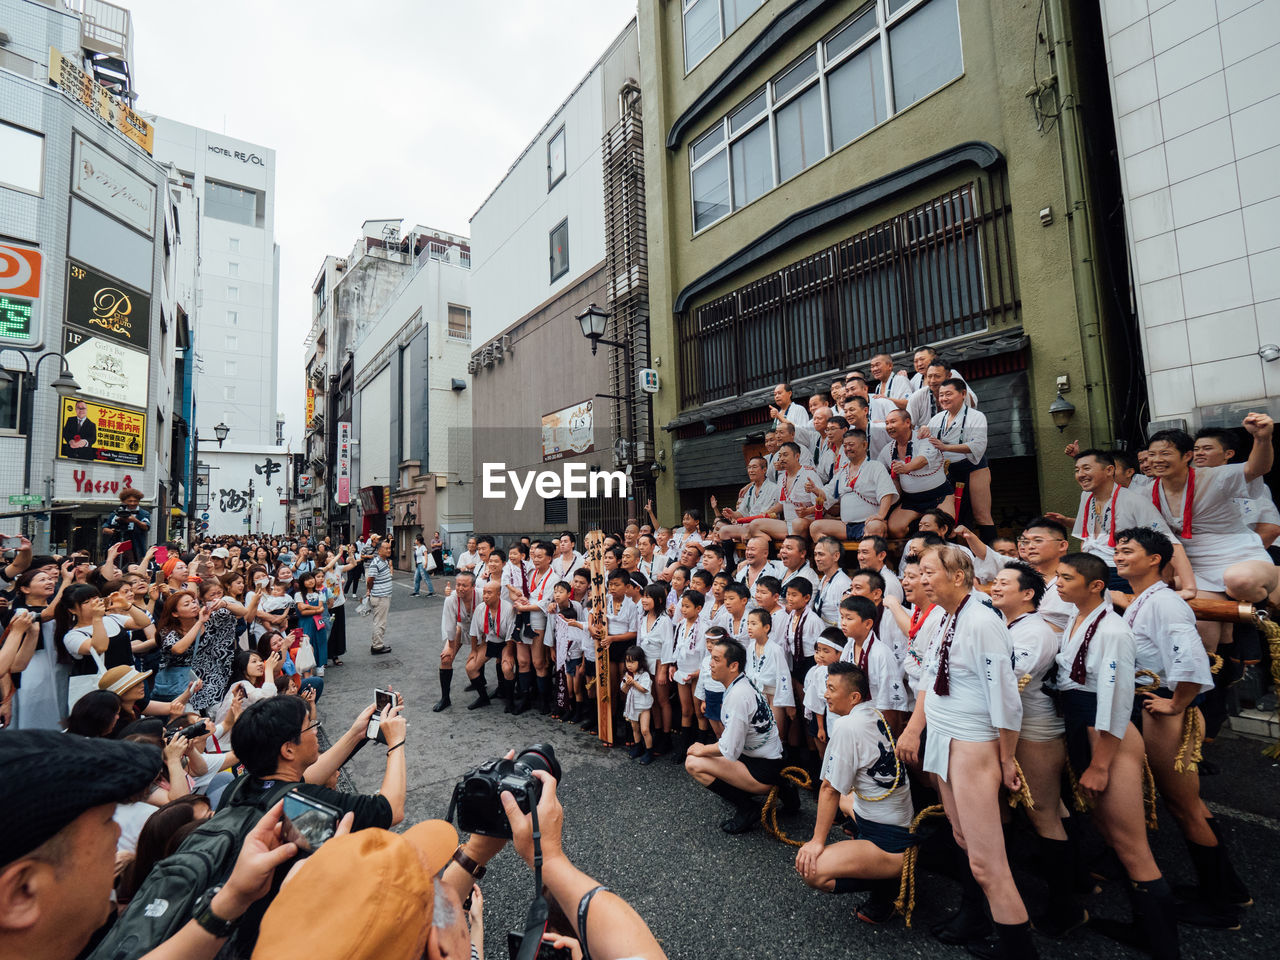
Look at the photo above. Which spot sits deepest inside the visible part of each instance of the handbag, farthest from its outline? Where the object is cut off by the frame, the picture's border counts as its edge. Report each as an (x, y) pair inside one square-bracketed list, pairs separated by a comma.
[(321, 621), (431, 563), (84, 683), (171, 681), (305, 659)]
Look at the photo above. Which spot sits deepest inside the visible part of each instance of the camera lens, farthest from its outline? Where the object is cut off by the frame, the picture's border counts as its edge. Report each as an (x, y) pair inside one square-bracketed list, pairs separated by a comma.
[(541, 756)]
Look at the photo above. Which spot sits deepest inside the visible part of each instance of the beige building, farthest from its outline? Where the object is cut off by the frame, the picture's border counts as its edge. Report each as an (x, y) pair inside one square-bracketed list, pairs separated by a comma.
[(826, 181)]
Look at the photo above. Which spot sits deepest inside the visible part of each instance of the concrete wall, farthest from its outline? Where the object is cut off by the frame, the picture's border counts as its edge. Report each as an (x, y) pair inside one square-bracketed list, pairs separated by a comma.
[(1196, 91), (985, 103), (238, 480)]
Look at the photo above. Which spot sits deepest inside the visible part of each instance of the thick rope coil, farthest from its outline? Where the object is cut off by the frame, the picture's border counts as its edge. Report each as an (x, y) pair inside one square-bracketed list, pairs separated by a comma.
[(1022, 796), (1188, 756), (1023, 681), (1215, 663), (769, 812), (1078, 800), (1152, 678), (897, 765), (906, 902), (1149, 795)]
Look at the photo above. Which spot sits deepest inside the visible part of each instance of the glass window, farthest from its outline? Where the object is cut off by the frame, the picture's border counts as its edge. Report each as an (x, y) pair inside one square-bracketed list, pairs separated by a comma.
[(741, 118), (236, 204), (10, 398), (21, 158), (560, 250), (861, 25), (856, 92), (459, 322), (752, 159), (233, 293), (234, 244), (701, 30), (925, 51), (707, 143), (233, 269), (229, 368), (801, 141), (232, 342), (736, 12), (233, 318), (794, 78), (555, 159), (710, 192), (228, 393)]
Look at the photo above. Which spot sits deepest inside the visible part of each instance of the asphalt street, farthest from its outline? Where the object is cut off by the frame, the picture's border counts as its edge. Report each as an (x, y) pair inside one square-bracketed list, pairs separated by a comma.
[(652, 835)]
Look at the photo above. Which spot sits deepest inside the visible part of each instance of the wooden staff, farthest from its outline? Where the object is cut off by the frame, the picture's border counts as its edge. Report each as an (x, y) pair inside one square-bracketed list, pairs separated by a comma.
[(1215, 609), (599, 630)]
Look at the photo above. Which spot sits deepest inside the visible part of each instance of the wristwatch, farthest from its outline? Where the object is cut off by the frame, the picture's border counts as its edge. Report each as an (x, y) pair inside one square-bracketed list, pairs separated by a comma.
[(209, 921), (466, 863)]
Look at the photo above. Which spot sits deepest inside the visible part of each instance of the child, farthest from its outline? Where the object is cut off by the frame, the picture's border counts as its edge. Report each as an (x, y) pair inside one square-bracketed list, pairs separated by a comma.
[(709, 692), (655, 635), (313, 608), (581, 585), (679, 584), (273, 610), (713, 612), (735, 602), (638, 686), (767, 669), (687, 663), (567, 623), (875, 658), (826, 652)]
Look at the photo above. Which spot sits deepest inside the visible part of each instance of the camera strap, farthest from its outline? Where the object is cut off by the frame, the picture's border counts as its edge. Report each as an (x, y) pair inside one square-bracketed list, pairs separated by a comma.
[(535, 923)]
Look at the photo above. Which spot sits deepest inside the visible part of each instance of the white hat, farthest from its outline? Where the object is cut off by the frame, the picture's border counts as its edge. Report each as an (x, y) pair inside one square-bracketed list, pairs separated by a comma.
[(832, 644), (222, 553)]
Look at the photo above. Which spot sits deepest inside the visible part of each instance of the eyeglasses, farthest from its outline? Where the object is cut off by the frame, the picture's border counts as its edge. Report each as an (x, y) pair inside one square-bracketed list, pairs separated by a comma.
[(310, 726), (1037, 541)]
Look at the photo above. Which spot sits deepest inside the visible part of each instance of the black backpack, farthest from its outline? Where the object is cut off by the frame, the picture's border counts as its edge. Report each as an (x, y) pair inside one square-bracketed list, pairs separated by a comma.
[(166, 900)]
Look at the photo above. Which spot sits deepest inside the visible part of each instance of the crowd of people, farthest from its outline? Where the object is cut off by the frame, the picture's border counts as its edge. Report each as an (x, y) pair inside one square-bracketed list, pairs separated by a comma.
[(836, 629)]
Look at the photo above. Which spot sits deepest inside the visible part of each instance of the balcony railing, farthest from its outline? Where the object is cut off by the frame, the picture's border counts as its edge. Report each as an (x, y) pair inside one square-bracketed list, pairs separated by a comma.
[(105, 28)]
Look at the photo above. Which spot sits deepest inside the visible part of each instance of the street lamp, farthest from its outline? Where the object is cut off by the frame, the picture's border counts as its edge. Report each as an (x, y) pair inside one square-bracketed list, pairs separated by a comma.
[(220, 431), (1061, 410), (593, 321), (64, 384)]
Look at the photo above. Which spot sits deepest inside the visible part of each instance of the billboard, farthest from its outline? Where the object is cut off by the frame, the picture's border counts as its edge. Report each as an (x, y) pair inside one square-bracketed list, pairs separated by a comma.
[(78, 85), (99, 433), (568, 432), (343, 493), (21, 271), (107, 183), (106, 369), (105, 307), (311, 406)]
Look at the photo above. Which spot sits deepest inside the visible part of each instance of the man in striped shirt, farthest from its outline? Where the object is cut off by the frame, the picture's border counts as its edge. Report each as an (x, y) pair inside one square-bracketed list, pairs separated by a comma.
[(378, 588)]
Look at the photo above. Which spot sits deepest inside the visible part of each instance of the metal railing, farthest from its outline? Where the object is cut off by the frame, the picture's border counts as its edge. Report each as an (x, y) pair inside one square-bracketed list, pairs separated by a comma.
[(105, 28), (934, 273)]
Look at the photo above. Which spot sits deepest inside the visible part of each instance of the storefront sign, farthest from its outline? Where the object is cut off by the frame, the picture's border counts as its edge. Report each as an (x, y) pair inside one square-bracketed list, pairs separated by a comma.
[(78, 85), (100, 433), (311, 406), (105, 307), (106, 369), (107, 183), (372, 499), (21, 270), (568, 432), (343, 494), (87, 483)]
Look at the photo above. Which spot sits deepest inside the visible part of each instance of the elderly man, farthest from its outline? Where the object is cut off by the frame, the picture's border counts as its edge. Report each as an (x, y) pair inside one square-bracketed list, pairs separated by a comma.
[(794, 510), (455, 625), (378, 589), (746, 762), (785, 408), (757, 563)]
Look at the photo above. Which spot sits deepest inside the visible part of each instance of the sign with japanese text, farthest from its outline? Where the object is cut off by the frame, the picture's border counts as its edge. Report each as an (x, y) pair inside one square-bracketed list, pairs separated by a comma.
[(113, 111), (106, 369), (102, 434), (105, 307), (311, 406), (568, 432), (21, 271), (343, 493)]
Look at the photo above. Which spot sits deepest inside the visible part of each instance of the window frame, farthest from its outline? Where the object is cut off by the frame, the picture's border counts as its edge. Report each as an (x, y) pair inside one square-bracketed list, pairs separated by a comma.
[(39, 191), (465, 336), (551, 255), (15, 385), (825, 64), (552, 180), (685, 7)]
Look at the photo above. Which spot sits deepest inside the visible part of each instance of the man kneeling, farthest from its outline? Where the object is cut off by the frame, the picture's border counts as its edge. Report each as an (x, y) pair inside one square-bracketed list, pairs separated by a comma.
[(746, 761), (859, 771)]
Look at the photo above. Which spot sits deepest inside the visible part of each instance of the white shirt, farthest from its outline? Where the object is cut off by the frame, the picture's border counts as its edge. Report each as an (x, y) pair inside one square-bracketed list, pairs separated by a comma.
[(892, 585), (419, 554), (827, 594), (859, 759), (754, 500), (493, 624), (1057, 612), (884, 674), (860, 490), (1109, 668), (688, 646), (771, 568), (1165, 638), (806, 571), (457, 616), (769, 672), (971, 398), (622, 617), (541, 586), (569, 642), (805, 626), (1035, 646), (749, 727), (792, 492), (564, 568), (928, 477), (815, 691), (796, 414), (922, 405), (968, 428), (1098, 517), (467, 561), (656, 640), (898, 387)]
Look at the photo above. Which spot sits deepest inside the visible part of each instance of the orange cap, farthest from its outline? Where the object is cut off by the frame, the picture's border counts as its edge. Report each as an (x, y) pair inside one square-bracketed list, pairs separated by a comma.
[(383, 881)]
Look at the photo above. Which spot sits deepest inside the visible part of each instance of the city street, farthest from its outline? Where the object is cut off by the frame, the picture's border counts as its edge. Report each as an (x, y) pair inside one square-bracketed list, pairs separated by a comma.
[(651, 834)]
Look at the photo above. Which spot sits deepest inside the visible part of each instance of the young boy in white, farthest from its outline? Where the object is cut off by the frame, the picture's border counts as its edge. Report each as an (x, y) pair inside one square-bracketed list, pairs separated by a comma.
[(874, 658), (829, 647), (860, 771), (767, 668), (637, 684)]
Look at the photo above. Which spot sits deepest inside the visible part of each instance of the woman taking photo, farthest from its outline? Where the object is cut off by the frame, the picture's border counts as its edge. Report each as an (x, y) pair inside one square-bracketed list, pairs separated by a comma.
[(40, 702)]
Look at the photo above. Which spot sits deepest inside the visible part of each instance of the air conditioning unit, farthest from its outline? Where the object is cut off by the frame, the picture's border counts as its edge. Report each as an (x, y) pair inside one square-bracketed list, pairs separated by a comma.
[(499, 349), (487, 356), (473, 365), (506, 342)]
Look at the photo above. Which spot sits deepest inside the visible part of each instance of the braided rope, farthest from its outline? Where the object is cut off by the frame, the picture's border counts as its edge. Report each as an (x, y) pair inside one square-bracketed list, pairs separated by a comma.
[(1189, 756), (897, 766), (1149, 795), (1078, 800), (769, 812), (1215, 663), (1023, 681), (1022, 796), (1152, 678), (906, 902)]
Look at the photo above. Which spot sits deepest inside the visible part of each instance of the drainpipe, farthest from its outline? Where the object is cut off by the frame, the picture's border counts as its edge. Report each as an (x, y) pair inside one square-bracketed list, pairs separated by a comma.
[(1084, 257)]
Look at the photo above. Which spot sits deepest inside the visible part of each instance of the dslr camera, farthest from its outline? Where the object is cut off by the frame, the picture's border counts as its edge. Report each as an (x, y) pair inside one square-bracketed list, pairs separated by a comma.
[(477, 797)]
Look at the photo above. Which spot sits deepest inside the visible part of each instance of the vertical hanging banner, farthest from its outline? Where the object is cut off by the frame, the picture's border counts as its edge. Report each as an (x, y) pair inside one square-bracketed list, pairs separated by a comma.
[(343, 492), (311, 406)]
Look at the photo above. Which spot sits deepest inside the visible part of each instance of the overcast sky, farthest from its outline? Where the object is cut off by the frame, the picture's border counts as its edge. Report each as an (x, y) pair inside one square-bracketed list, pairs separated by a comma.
[(376, 109)]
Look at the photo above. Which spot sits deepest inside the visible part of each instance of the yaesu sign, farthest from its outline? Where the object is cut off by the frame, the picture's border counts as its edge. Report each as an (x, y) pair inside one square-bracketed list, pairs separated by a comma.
[(105, 307)]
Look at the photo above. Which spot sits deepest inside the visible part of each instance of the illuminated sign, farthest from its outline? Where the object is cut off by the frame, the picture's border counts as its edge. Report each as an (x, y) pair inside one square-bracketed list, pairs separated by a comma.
[(311, 406), (101, 433), (21, 268), (106, 308)]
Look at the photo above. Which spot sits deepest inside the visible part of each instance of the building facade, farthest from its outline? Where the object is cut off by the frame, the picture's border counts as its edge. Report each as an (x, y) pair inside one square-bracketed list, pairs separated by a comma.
[(830, 181), (90, 240), (1196, 94), (237, 338), (563, 230)]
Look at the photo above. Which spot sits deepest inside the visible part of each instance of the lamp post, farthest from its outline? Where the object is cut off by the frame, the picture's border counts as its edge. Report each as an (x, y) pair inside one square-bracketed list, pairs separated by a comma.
[(64, 384), (593, 321), (220, 432)]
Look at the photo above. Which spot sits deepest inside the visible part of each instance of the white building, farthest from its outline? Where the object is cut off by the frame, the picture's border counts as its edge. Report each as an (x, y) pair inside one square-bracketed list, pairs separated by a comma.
[(237, 330), (1195, 88)]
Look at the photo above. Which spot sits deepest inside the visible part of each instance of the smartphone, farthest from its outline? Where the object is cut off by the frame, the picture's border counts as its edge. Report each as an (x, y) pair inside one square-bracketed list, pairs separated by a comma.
[(308, 822), (161, 555), (10, 543), (381, 700), (124, 546), (192, 677), (545, 950)]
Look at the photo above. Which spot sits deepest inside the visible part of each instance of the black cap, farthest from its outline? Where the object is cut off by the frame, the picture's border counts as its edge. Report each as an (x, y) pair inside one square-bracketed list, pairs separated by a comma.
[(47, 779)]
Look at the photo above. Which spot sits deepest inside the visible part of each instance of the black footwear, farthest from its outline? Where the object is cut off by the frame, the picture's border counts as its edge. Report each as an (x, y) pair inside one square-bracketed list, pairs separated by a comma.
[(524, 693), (635, 752), (378, 651), (680, 745), (544, 694), (446, 681), (646, 758), (482, 694), (789, 796), (1063, 912), (745, 819), (591, 722), (970, 922), (1011, 942), (1218, 881), (1156, 914), (879, 907)]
